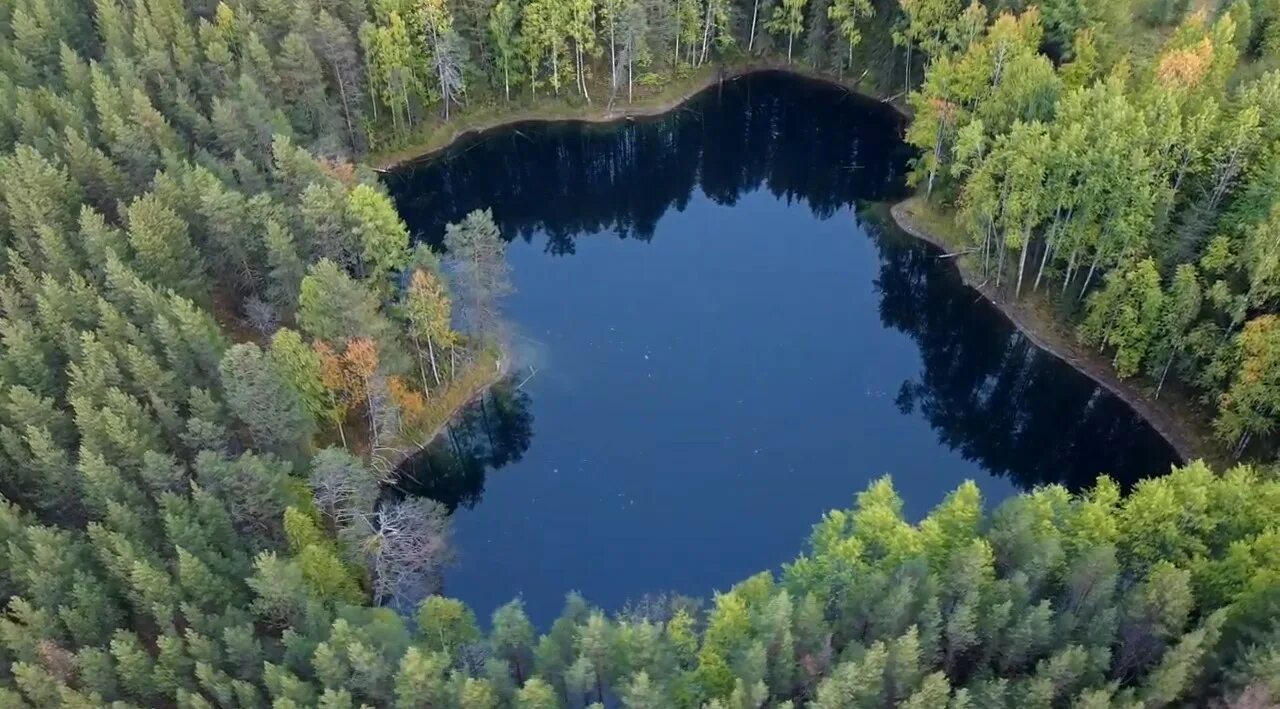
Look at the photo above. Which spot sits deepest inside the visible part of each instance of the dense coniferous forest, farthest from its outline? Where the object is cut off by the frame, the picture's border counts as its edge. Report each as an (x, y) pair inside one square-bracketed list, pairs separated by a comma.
[(216, 338)]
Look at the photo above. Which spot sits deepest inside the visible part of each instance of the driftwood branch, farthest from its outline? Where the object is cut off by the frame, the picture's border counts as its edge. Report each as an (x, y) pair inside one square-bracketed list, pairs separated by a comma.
[(961, 252), (532, 372)]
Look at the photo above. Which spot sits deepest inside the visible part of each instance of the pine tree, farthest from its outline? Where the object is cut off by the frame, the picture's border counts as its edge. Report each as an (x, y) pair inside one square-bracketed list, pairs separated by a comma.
[(163, 249), (261, 397)]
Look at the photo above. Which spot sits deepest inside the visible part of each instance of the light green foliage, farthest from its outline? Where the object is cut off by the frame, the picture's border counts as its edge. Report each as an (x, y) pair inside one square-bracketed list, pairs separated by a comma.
[(502, 33), (512, 638), (929, 24), (384, 238), (1125, 315), (162, 247), (788, 20), (1251, 404), (446, 625), (848, 14), (300, 367), (477, 253), (536, 694)]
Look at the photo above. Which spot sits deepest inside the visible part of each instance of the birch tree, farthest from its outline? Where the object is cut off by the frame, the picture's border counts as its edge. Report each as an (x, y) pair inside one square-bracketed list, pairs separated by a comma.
[(581, 29), (1182, 307), (502, 33), (847, 15), (788, 19), (391, 57), (428, 307), (1125, 315), (1251, 405)]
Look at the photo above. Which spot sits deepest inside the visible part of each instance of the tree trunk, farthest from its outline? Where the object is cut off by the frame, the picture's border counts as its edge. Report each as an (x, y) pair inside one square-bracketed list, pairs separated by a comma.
[(706, 34), (1044, 258), (431, 352), (1054, 234), (1071, 268), (755, 12), (986, 251), (937, 152), (1165, 372), (791, 36), (373, 94), (1000, 264), (1022, 263), (907, 88), (1244, 442), (506, 79), (346, 108), (422, 369), (676, 59), (582, 78), (613, 59), (1097, 256), (630, 78)]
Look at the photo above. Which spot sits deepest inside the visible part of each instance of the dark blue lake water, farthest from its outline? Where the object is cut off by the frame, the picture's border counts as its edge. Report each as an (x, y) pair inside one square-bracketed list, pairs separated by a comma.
[(725, 342)]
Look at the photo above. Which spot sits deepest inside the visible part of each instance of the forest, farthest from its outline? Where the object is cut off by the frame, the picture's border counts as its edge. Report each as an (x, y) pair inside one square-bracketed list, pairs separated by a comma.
[(216, 340)]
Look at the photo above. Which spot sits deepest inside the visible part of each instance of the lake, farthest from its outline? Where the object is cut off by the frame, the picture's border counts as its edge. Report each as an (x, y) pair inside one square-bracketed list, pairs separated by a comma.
[(720, 338)]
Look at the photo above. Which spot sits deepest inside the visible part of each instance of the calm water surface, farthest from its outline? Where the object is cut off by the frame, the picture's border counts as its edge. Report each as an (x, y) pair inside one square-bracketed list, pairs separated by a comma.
[(727, 344)]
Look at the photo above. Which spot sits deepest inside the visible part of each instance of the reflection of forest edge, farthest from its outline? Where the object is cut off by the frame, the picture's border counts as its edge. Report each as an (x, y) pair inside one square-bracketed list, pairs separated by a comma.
[(994, 396), (988, 392), (793, 137)]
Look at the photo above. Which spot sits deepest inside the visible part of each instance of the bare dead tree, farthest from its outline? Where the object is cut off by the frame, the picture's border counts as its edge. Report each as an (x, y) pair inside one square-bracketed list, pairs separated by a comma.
[(261, 315), (409, 551)]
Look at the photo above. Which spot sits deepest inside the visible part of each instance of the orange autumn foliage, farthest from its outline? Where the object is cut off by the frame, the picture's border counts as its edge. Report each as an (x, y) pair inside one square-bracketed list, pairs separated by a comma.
[(346, 375), (361, 358), (330, 365), (1186, 68), (946, 109), (413, 405), (340, 170)]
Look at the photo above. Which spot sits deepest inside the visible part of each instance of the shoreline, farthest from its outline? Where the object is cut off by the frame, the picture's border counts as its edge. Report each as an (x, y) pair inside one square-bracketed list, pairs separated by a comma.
[(1185, 440), (395, 456), (653, 106)]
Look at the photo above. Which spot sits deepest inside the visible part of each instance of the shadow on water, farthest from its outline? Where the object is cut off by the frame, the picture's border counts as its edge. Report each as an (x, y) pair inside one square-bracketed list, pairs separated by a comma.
[(491, 433), (994, 396)]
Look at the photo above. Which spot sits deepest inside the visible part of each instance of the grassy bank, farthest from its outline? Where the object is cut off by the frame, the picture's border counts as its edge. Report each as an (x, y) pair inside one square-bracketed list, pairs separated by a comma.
[(442, 406), (1175, 416)]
